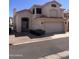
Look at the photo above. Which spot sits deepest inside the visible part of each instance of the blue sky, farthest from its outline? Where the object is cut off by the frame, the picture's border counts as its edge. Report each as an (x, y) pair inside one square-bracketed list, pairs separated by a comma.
[(25, 4)]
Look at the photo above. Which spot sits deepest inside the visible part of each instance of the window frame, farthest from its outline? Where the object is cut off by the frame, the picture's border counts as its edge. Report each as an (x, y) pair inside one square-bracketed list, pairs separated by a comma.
[(38, 11)]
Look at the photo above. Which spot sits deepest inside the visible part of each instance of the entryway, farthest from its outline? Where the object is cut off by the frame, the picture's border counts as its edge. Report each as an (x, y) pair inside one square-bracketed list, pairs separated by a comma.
[(25, 24)]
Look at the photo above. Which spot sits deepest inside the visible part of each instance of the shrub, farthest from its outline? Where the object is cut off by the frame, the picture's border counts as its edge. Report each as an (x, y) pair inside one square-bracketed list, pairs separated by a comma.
[(37, 32)]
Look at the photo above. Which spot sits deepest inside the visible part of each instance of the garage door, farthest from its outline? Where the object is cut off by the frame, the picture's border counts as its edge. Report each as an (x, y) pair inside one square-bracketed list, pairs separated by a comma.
[(54, 27)]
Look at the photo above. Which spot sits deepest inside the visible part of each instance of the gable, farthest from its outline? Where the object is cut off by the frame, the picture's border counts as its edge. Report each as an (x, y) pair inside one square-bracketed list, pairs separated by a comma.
[(53, 2)]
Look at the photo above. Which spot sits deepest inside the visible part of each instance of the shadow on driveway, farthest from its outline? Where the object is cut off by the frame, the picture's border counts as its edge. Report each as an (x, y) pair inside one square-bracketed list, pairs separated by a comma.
[(34, 36)]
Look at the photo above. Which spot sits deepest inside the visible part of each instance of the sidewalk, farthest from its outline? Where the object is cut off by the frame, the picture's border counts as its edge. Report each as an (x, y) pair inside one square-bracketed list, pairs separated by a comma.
[(25, 39)]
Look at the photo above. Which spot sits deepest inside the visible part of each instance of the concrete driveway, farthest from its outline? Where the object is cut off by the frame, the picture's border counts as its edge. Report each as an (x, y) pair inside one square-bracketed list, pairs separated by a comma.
[(46, 49)]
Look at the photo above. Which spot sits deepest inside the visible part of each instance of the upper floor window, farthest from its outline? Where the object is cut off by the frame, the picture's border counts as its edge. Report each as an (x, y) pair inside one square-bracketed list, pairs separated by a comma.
[(53, 5), (38, 10)]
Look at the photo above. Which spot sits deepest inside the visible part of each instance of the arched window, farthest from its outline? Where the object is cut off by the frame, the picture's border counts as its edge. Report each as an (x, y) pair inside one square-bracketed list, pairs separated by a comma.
[(53, 5)]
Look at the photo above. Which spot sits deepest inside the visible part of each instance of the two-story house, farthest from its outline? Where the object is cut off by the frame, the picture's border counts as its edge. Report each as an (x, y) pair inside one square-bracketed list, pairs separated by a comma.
[(48, 17)]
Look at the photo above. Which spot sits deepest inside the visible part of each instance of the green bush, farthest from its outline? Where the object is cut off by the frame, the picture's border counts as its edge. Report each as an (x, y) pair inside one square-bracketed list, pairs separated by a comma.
[(37, 32)]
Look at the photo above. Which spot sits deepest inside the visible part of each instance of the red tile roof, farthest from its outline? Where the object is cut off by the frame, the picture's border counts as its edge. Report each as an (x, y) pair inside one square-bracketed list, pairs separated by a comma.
[(25, 10)]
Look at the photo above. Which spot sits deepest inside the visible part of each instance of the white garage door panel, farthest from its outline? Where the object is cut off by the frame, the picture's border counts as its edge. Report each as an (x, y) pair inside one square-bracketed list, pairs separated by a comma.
[(54, 27)]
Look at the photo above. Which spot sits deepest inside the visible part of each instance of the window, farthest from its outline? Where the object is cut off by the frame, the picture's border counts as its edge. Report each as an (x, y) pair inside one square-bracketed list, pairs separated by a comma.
[(33, 11), (38, 10), (53, 5)]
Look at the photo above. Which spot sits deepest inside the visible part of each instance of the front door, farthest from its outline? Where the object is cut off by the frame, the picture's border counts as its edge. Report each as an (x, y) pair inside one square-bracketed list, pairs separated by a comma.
[(25, 24)]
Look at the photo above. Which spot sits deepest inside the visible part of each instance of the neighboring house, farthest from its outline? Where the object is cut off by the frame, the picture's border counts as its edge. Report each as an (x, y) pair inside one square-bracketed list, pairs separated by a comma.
[(66, 16), (10, 22), (48, 17)]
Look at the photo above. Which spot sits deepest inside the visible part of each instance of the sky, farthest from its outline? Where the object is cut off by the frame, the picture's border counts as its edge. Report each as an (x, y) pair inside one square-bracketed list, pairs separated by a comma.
[(26, 4)]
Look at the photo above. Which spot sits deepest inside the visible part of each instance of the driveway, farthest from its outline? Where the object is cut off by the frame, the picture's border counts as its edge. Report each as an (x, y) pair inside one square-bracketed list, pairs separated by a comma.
[(45, 48)]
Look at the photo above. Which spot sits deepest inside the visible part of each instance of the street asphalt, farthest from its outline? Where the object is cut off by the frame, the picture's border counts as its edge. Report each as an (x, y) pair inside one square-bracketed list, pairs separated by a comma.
[(47, 49)]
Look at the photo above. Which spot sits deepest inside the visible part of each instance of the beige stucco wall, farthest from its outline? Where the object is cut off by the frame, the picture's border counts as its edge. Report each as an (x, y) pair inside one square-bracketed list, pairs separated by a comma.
[(36, 24), (43, 23), (48, 11)]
